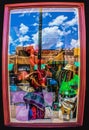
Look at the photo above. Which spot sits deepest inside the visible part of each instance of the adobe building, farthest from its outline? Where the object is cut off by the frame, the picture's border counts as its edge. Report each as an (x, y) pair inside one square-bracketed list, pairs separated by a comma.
[(72, 55)]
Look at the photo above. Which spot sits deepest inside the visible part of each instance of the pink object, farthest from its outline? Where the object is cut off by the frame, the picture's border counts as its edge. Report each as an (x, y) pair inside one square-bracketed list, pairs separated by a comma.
[(48, 98), (21, 113), (17, 97)]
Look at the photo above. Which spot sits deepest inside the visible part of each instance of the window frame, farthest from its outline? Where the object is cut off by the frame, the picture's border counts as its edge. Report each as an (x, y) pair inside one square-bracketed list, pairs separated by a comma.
[(7, 9)]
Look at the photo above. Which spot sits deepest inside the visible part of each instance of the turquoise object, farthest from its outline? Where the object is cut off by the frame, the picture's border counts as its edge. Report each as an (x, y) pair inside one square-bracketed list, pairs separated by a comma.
[(42, 66), (10, 67), (13, 88), (36, 66), (77, 64)]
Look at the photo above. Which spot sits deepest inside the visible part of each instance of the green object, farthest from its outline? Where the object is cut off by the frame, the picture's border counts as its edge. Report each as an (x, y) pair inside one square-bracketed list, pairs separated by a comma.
[(10, 67), (66, 87), (74, 81)]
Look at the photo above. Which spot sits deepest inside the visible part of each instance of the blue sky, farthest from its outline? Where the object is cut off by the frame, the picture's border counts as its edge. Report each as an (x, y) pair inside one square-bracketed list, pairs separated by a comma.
[(59, 28)]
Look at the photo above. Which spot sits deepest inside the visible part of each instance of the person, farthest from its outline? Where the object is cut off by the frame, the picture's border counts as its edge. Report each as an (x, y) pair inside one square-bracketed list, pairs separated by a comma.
[(68, 92), (70, 87)]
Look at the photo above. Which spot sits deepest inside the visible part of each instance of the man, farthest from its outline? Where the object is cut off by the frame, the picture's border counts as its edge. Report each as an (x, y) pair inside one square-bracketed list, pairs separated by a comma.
[(69, 92)]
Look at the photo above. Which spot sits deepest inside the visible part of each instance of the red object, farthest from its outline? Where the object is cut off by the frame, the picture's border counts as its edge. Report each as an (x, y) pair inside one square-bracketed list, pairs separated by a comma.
[(22, 75), (30, 49), (34, 112), (40, 81)]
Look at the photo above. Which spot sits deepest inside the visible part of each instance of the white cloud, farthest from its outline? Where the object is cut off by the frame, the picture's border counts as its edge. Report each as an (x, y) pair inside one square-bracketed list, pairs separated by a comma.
[(59, 44), (50, 37), (23, 29), (24, 38), (58, 9), (22, 15), (76, 13), (58, 20), (45, 14), (24, 10), (75, 43), (61, 33), (10, 39), (74, 28), (12, 42), (35, 24), (74, 21), (67, 32), (12, 45)]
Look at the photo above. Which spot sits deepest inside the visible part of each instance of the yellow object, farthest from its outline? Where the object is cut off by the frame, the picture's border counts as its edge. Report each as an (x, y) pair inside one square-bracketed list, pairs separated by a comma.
[(69, 67), (77, 52), (59, 56)]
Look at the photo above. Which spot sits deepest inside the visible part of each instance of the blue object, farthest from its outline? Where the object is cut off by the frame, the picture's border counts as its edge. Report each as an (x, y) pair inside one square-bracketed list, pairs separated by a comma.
[(53, 82), (30, 114)]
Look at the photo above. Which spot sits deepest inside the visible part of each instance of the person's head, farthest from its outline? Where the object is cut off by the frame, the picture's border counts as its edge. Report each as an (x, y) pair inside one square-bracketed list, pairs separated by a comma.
[(69, 67)]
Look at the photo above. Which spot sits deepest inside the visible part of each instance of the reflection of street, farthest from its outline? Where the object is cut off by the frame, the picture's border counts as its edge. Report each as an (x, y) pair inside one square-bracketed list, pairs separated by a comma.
[(48, 90)]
